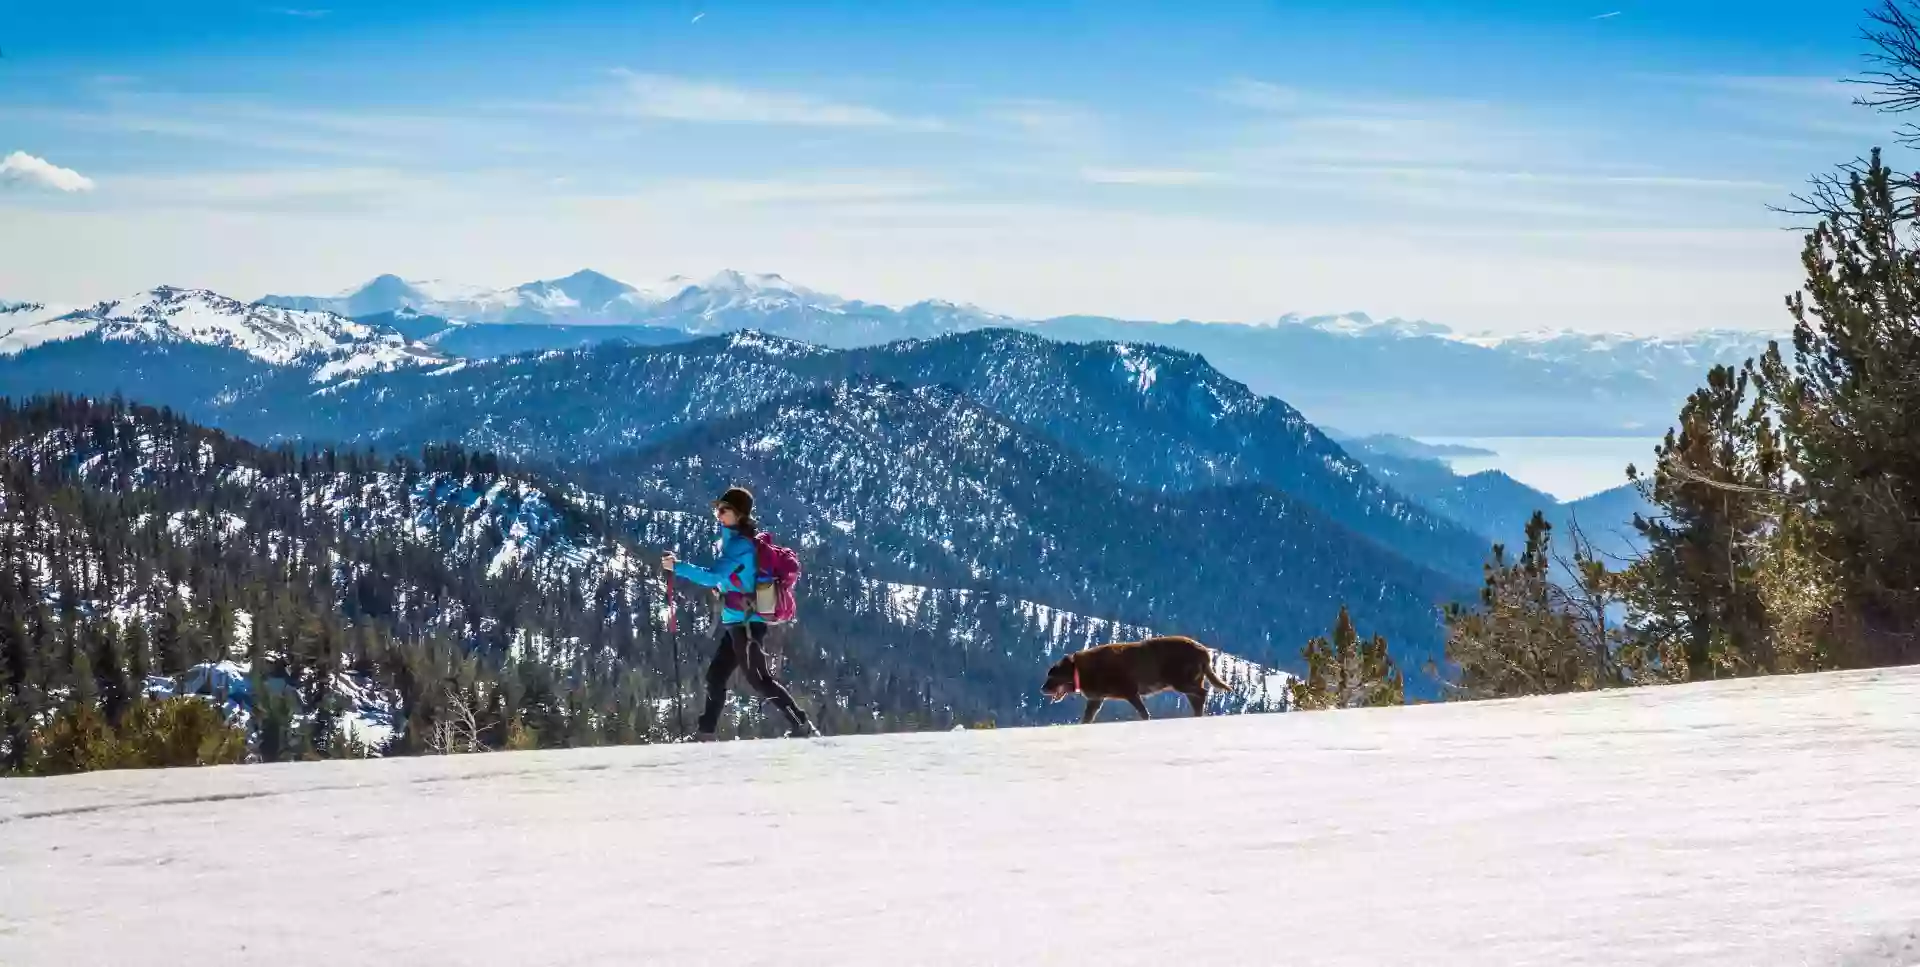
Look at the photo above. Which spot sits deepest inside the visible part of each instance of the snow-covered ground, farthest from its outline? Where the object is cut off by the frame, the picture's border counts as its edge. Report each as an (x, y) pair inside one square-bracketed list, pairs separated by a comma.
[(338, 346), (1771, 822)]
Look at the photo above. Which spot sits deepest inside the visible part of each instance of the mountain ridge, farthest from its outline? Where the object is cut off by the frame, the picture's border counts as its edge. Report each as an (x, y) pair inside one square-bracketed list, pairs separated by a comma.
[(1156, 419), (774, 287), (923, 485), (335, 346), (562, 411), (1426, 378), (1421, 378)]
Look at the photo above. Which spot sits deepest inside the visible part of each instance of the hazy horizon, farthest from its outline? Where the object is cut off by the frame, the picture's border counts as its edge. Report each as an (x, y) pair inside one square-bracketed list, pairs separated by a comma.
[(1463, 329), (1585, 167)]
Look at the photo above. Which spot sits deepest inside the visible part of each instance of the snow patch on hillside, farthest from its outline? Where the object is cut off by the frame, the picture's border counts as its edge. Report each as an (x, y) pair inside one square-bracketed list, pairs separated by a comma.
[(1141, 368), (337, 346), (369, 713), (24, 325)]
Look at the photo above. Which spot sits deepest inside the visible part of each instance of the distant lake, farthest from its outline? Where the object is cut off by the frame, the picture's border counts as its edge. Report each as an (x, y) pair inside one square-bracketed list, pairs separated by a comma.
[(1569, 468)]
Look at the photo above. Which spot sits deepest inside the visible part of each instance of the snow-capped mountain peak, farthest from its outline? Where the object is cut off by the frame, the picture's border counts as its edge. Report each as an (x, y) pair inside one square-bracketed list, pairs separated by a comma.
[(1361, 324), (24, 325), (726, 301), (391, 286), (271, 334), (434, 291), (16, 313), (585, 290), (660, 290), (586, 296), (730, 292), (730, 280), (770, 346), (1669, 356)]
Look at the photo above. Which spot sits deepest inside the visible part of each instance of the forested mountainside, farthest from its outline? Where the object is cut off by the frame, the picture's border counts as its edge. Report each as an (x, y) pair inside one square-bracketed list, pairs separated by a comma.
[(1165, 420), (366, 598), (923, 485), (1248, 498), (1152, 419)]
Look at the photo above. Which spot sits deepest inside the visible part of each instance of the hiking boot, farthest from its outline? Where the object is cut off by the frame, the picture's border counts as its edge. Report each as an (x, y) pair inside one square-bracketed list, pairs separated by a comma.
[(804, 730)]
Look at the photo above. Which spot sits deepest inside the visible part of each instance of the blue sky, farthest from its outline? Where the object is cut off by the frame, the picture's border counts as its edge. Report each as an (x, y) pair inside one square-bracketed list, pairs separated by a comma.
[(1490, 165)]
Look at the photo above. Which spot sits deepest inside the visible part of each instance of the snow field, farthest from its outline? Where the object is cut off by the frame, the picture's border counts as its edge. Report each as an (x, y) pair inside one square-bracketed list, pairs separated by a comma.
[(1759, 822)]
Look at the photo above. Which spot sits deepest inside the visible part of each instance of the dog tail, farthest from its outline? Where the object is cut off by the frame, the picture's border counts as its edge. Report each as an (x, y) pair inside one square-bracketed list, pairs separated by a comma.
[(1207, 669)]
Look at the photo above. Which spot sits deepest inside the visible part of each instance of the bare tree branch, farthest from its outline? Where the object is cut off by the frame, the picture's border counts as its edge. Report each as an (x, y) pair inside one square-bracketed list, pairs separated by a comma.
[(457, 730), (1896, 42), (1684, 473)]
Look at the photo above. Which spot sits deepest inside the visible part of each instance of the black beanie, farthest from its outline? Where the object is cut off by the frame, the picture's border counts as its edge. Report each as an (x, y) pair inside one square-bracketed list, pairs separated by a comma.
[(739, 498)]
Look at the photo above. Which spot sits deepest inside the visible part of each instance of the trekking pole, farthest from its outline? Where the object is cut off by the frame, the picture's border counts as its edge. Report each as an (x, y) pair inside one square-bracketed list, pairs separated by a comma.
[(679, 697)]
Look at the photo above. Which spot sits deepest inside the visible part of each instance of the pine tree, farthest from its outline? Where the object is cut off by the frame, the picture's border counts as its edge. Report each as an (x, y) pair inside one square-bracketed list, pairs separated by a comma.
[(86, 688), (77, 739), (17, 660), (324, 731), (1522, 639), (180, 731), (1849, 407), (139, 654), (1714, 481), (8, 698), (118, 686), (279, 740), (169, 639), (1344, 672)]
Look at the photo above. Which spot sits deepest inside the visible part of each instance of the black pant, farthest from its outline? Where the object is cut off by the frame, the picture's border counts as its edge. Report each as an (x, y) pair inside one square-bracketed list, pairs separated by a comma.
[(742, 646)]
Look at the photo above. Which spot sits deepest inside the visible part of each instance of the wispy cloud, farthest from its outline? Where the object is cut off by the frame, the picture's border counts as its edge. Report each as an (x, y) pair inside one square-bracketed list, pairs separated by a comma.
[(218, 129), (1792, 86), (1415, 159), (23, 168), (274, 189), (1289, 101), (1261, 95), (1147, 176), (306, 14), (383, 136), (684, 99), (1605, 16), (352, 191), (1045, 120), (832, 188), (1568, 178), (1321, 126), (1415, 138), (1824, 108)]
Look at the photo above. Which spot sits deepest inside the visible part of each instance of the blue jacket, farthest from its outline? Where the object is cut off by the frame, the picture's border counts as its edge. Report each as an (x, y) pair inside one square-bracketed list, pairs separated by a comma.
[(733, 574)]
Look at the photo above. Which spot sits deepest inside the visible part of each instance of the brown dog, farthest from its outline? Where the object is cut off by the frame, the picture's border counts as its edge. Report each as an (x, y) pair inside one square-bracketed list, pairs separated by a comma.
[(1133, 669)]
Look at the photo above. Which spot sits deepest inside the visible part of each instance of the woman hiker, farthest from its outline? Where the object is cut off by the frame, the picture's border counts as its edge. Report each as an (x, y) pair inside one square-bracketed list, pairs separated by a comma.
[(744, 631)]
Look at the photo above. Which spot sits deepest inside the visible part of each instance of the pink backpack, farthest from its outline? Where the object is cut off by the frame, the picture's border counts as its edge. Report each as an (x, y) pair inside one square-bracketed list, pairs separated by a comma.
[(778, 570)]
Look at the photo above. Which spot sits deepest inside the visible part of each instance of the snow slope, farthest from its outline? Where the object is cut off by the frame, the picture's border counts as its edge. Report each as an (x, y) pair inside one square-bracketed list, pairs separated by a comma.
[(336, 346), (1771, 822), (24, 325)]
